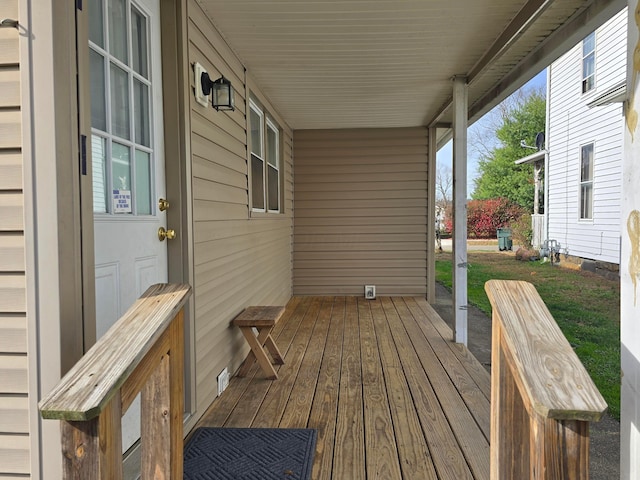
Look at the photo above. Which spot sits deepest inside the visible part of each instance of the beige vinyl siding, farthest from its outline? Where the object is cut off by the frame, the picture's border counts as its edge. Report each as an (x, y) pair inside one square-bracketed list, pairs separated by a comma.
[(361, 211), (14, 404), (240, 259), (8, 37)]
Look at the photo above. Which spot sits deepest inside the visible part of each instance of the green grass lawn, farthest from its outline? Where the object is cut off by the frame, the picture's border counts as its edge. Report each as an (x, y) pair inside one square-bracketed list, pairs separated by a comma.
[(585, 306)]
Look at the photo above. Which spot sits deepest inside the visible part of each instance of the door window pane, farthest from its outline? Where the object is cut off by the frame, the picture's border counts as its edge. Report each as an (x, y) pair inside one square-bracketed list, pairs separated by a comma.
[(99, 173), (119, 102), (257, 183), (139, 42), (143, 183), (141, 113), (98, 107), (96, 22), (120, 167), (118, 30)]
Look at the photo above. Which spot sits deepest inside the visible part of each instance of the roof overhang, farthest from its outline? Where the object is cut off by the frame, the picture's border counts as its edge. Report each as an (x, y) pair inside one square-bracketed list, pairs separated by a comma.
[(389, 63), (616, 94), (533, 158)]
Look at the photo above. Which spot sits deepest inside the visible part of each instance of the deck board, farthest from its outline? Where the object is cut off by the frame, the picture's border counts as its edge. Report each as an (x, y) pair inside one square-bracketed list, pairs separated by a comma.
[(324, 411), (348, 454), (389, 393), (378, 425)]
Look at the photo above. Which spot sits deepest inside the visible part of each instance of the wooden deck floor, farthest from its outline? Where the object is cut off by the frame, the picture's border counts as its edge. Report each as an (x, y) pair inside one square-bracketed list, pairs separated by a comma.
[(390, 395)]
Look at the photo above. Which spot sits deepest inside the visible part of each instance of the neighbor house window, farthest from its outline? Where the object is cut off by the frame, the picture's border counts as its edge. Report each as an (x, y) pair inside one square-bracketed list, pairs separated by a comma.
[(586, 182), (264, 136), (589, 62)]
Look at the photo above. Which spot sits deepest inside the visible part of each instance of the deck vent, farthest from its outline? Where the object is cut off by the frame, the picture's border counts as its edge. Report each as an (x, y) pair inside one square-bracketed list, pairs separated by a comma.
[(369, 292), (223, 380)]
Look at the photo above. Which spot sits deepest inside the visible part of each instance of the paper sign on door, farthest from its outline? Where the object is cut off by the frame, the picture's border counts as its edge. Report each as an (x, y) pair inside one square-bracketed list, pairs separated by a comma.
[(122, 201)]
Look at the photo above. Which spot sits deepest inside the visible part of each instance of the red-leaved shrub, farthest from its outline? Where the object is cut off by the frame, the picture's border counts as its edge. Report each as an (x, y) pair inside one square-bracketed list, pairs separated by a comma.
[(484, 217)]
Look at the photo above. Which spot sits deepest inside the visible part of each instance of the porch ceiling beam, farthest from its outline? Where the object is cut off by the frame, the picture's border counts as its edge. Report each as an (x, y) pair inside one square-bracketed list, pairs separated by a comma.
[(556, 44), (563, 38), (526, 17), (522, 21)]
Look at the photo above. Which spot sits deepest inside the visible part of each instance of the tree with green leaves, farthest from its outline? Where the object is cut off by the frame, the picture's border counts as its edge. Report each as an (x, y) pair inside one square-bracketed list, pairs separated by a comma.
[(519, 120)]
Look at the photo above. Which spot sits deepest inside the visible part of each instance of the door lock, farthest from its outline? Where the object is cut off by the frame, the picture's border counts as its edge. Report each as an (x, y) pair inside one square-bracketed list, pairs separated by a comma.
[(163, 204), (169, 234)]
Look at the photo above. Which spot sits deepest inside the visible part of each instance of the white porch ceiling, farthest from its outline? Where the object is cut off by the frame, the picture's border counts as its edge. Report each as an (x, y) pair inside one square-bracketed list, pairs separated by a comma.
[(389, 63)]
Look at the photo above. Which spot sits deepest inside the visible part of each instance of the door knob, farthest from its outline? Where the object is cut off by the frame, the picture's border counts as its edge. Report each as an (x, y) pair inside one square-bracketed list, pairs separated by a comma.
[(169, 234), (163, 204)]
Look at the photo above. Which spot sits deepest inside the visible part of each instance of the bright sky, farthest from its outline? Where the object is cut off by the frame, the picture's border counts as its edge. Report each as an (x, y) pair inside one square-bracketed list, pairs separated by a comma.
[(445, 154)]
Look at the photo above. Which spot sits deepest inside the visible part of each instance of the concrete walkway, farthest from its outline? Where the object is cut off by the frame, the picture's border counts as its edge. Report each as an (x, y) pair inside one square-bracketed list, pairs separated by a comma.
[(604, 435), (474, 245)]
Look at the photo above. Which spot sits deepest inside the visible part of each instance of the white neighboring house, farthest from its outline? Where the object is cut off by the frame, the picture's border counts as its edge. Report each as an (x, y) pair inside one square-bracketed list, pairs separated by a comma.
[(583, 175)]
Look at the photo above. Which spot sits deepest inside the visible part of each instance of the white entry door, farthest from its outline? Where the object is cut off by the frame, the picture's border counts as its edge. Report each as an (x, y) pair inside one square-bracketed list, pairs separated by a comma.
[(127, 160)]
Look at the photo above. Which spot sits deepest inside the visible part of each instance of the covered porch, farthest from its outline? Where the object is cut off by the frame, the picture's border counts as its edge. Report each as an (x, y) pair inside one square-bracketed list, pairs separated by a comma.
[(389, 393), (388, 390)]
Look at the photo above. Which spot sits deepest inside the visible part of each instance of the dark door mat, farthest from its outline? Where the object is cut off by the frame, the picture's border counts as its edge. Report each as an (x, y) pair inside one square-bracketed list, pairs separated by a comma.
[(250, 453)]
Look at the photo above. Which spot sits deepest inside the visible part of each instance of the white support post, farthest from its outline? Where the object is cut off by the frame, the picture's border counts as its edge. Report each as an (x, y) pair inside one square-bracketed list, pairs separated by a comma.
[(459, 258), (630, 261), (537, 169), (431, 218)]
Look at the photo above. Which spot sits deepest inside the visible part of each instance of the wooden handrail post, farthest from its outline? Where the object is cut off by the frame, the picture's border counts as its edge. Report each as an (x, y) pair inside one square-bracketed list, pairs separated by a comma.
[(176, 375), (155, 421), (542, 398), (91, 448), (142, 353)]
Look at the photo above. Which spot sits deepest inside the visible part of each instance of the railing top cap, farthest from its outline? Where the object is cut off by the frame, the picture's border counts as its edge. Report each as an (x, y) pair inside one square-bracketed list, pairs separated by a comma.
[(555, 383), (87, 388)]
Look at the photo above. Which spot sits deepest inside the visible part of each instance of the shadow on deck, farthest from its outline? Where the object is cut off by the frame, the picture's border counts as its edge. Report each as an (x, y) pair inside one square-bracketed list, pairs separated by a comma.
[(388, 391)]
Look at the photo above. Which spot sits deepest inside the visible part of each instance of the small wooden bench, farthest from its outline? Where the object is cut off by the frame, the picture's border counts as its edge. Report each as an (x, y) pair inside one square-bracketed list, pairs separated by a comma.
[(263, 319)]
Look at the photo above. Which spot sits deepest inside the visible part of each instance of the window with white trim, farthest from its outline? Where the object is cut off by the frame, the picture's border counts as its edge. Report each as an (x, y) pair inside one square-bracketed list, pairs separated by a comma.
[(586, 182), (589, 62), (264, 137)]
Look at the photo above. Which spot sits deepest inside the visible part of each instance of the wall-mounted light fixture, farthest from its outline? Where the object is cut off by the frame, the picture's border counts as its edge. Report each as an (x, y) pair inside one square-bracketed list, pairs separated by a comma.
[(222, 91)]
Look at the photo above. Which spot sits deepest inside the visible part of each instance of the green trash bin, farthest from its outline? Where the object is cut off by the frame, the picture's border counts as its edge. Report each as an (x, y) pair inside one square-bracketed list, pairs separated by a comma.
[(505, 241)]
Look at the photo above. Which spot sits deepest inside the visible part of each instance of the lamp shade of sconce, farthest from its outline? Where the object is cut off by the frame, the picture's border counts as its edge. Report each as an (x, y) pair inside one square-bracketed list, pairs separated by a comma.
[(223, 95), (222, 92)]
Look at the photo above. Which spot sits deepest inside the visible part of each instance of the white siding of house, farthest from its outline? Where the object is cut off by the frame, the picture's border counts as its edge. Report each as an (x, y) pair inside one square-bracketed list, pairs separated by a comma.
[(573, 124)]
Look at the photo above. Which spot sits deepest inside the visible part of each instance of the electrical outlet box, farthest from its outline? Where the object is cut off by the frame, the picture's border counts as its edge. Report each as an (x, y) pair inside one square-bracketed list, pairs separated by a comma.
[(201, 98), (223, 381), (369, 292)]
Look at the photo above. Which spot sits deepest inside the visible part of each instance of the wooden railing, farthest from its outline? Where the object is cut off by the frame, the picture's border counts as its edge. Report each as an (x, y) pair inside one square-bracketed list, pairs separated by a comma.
[(143, 352), (542, 398)]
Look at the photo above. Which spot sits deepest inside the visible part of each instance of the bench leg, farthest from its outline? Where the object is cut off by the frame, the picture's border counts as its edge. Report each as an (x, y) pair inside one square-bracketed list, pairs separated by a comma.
[(273, 350), (258, 352)]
